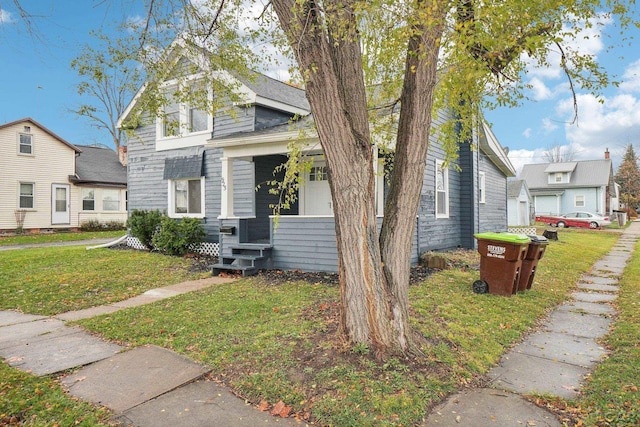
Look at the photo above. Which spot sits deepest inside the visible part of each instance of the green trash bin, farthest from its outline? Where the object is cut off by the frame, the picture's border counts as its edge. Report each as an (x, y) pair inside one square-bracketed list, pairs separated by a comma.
[(536, 249), (501, 256)]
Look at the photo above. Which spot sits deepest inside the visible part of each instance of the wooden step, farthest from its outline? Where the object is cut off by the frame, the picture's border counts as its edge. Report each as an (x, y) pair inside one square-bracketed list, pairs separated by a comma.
[(247, 270)]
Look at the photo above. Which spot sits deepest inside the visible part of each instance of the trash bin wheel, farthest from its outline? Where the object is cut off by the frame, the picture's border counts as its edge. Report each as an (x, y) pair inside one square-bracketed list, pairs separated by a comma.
[(480, 287)]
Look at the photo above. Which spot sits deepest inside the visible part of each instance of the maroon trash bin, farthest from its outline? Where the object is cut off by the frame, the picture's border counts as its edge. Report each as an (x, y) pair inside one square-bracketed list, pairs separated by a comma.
[(501, 256), (536, 250)]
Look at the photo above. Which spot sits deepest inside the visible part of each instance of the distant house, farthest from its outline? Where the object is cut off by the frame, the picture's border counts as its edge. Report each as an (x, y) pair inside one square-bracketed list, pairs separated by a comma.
[(559, 188), (41, 173), (215, 169), (101, 181), (519, 203)]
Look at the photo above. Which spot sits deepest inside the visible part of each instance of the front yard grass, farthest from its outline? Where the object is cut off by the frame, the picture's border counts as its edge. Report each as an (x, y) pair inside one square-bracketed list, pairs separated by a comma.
[(54, 280), (25, 239), (272, 342)]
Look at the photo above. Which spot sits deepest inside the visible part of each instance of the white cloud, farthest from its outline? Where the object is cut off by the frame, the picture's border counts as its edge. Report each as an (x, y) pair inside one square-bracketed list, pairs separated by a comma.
[(527, 133), (5, 17), (631, 78), (540, 90), (548, 125), (523, 156)]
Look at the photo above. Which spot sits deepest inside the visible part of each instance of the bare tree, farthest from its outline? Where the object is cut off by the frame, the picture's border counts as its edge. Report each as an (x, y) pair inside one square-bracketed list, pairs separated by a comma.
[(559, 153)]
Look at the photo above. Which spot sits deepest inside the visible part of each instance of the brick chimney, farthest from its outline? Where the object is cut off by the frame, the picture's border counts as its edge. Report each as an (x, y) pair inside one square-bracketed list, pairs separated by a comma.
[(606, 153), (122, 154)]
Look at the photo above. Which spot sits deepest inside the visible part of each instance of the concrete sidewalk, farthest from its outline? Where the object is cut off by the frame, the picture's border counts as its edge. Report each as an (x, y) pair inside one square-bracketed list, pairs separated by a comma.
[(554, 360), (90, 242), (143, 386)]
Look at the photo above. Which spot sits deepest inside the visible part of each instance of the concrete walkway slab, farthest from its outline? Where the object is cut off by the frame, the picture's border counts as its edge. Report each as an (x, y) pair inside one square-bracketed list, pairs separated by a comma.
[(578, 351), (597, 287), (599, 280), (587, 308), (593, 297), (525, 374), (490, 407), (578, 324), (201, 403), (16, 334), (87, 313), (59, 351), (13, 317), (133, 377)]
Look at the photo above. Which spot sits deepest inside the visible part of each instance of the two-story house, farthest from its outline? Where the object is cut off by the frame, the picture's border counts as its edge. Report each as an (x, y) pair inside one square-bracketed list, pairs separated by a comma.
[(43, 185), (215, 169)]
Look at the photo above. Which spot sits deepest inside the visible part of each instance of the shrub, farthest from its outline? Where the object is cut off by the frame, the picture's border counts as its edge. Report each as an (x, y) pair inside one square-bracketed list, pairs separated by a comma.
[(178, 237), (144, 224), (95, 225)]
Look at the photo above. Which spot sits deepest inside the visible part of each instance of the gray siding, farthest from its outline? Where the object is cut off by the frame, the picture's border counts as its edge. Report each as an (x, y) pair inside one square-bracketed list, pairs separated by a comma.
[(309, 244), (493, 213)]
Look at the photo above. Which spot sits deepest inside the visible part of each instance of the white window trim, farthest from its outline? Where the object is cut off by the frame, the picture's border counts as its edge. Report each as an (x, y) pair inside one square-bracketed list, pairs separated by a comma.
[(172, 205), (439, 164), (575, 201), (32, 145), (184, 138), (33, 186), (482, 185), (102, 193), (82, 199)]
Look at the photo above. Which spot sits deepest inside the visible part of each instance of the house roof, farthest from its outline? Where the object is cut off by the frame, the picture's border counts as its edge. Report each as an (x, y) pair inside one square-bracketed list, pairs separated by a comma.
[(33, 122), (99, 166), (514, 187), (493, 150), (275, 90), (586, 173), (263, 90)]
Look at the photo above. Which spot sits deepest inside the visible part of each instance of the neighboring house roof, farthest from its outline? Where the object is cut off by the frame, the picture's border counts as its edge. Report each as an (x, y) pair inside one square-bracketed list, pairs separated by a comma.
[(514, 187), (586, 173), (33, 122), (99, 166)]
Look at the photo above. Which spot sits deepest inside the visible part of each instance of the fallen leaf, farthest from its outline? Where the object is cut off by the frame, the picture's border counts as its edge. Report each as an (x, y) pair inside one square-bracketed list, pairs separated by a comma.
[(264, 406), (281, 410)]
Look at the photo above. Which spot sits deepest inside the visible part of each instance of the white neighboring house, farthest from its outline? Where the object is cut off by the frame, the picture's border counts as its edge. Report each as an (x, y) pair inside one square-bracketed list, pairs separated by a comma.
[(37, 172), (519, 207)]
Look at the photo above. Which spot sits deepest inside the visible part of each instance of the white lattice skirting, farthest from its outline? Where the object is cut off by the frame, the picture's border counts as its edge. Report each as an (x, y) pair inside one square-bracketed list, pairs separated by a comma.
[(206, 248), (530, 231)]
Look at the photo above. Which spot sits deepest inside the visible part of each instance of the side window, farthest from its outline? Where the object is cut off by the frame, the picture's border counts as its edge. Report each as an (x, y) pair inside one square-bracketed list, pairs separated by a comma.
[(579, 201), (110, 200), (25, 144), (88, 199), (481, 187), (442, 190), (27, 191)]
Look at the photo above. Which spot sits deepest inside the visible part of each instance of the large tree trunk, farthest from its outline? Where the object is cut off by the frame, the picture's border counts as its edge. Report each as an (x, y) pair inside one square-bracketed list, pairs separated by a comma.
[(374, 302)]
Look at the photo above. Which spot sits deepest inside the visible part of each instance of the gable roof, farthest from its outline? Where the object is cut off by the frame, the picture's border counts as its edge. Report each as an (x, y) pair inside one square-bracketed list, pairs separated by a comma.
[(587, 173), (99, 166), (33, 122), (257, 87), (493, 150), (514, 187)]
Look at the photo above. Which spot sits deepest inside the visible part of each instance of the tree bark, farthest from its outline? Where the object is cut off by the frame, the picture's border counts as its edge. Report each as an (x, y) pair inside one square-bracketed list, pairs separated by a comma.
[(374, 297)]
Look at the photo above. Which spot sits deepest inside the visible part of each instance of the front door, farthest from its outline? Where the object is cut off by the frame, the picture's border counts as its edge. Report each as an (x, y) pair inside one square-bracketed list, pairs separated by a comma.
[(60, 204), (317, 196)]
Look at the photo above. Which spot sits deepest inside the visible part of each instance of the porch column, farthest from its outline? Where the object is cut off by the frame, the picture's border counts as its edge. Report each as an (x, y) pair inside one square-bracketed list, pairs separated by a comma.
[(226, 187)]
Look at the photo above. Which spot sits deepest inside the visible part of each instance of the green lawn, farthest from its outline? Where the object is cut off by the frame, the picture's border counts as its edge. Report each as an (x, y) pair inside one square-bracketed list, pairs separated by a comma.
[(54, 280), (271, 341), (22, 239)]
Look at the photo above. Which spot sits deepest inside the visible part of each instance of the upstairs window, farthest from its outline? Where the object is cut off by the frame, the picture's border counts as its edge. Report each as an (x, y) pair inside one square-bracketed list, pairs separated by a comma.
[(442, 190), (181, 118), (559, 176), (25, 145)]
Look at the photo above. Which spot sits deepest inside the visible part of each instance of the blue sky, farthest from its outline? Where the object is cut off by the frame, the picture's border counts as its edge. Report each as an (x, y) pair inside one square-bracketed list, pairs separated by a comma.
[(37, 81)]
